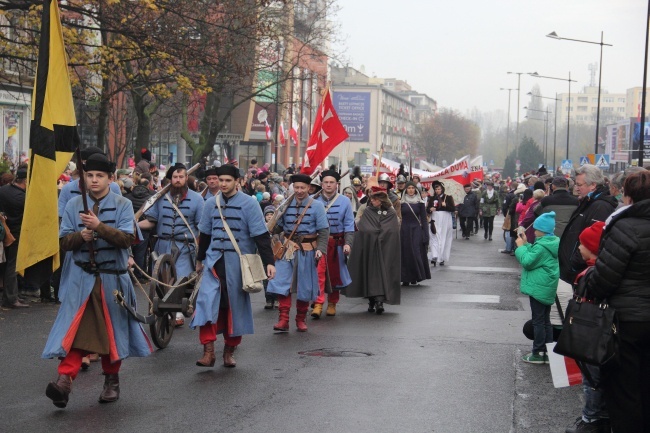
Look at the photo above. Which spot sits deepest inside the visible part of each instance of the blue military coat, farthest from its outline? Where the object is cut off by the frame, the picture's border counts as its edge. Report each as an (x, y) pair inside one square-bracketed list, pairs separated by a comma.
[(303, 263), (245, 219), (341, 220), (126, 336), (169, 225)]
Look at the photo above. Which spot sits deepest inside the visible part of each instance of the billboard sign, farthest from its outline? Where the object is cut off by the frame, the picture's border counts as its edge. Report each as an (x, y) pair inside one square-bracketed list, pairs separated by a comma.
[(353, 109)]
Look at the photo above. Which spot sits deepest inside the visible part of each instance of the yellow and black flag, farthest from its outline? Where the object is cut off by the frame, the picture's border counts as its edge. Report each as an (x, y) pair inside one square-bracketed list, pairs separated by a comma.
[(53, 139)]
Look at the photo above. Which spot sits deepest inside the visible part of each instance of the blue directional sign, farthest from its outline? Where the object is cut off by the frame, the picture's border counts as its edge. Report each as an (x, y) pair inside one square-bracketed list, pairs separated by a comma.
[(584, 160), (602, 160), (567, 164)]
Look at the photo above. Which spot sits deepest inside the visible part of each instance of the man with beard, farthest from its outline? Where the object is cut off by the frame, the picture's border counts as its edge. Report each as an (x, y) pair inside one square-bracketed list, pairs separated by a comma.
[(176, 217), (334, 271), (222, 306), (212, 180), (305, 233)]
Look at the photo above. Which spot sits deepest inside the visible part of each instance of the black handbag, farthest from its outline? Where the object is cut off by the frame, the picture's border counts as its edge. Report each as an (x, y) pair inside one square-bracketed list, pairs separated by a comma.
[(589, 332), (432, 226)]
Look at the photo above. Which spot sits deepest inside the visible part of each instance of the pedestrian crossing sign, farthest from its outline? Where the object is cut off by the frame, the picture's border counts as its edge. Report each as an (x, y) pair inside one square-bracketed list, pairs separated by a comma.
[(567, 164), (602, 160), (584, 160)]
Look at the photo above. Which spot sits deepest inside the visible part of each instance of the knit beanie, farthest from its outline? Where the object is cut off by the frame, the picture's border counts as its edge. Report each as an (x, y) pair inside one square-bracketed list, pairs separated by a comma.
[(545, 223), (590, 237)]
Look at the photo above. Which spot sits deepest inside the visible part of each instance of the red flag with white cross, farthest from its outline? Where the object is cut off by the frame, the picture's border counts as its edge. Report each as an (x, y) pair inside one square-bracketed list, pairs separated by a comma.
[(328, 133)]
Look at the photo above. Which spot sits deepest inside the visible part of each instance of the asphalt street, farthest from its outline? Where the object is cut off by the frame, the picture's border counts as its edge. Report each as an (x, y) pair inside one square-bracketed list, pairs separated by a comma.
[(448, 360)]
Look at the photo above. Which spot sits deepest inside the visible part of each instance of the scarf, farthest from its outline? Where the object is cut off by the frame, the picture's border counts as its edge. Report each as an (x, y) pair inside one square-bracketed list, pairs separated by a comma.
[(412, 199), (490, 193)]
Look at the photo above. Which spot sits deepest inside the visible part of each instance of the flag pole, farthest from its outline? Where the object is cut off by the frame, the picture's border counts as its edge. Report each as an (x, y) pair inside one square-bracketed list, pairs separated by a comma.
[(381, 152)]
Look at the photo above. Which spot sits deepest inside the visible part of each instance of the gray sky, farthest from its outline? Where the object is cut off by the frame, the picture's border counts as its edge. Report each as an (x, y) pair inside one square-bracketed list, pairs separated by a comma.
[(458, 52)]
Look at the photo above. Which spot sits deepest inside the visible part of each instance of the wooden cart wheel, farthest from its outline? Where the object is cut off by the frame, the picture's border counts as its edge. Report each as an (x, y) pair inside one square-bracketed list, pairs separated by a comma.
[(162, 329)]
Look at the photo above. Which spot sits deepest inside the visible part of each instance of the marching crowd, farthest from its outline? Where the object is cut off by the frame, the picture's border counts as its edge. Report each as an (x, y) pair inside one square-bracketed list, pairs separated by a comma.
[(586, 236)]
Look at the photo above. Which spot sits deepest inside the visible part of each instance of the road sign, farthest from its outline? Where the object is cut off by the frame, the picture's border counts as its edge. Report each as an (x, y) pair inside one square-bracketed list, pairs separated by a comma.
[(567, 164), (602, 160), (491, 162), (584, 160)]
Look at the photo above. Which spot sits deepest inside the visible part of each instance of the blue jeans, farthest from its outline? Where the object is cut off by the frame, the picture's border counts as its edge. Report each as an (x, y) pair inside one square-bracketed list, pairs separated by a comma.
[(509, 241), (595, 407), (542, 328)]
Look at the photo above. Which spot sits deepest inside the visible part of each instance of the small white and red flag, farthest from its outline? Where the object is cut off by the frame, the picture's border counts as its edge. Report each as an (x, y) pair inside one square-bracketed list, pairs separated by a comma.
[(293, 132), (267, 127), (564, 371), (328, 133), (282, 138)]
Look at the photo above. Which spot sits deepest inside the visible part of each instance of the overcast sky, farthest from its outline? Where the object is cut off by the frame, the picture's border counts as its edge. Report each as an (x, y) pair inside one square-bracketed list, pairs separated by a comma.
[(458, 52)]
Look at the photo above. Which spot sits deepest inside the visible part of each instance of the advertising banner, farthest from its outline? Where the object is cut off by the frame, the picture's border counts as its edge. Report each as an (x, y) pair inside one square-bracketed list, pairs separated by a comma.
[(353, 109)]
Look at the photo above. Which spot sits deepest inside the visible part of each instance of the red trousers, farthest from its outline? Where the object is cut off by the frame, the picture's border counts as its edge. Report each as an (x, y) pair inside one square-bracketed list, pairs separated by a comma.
[(332, 298), (71, 364), (208, 333)]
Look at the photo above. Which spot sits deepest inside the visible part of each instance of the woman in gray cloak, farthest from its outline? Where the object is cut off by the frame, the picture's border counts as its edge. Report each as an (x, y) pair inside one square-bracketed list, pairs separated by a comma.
[(375, 258)]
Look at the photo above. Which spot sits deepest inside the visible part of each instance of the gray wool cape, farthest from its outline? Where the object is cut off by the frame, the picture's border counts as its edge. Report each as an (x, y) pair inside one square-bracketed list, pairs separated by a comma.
[(375, 260)]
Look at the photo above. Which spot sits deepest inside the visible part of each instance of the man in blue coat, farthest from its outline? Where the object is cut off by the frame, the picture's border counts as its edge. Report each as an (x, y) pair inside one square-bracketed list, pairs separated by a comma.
[(222, 307), (176, 217), (296, 271), (333, 271), (212, 179), (89, 320)]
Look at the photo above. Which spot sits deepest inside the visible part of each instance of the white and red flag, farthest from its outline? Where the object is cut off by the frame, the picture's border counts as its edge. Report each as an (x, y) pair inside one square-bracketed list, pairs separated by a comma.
[(328, 133), (267, 127), (293, 132), (282, 139)]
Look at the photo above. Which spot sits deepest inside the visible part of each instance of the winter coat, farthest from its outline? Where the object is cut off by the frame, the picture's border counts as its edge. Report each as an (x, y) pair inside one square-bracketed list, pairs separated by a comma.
[(595, 207), (12, 203), (489, 206), (541, 271), (138, 196), (621, 273), (563, 204), (469, 207)]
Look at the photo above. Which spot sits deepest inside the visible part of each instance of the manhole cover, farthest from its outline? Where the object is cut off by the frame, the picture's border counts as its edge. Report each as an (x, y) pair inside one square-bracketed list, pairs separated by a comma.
[(331, 353)]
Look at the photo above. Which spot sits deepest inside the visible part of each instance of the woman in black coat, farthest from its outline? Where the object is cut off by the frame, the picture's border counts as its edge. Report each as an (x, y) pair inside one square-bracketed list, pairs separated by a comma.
[(622, 276), (414, 235)]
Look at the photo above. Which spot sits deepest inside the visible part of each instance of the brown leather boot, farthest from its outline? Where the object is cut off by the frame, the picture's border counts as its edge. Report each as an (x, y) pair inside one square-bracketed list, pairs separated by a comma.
[(283, 321), (111, 391), (208, 356), (228, 358), (317, 311), (59, 391)]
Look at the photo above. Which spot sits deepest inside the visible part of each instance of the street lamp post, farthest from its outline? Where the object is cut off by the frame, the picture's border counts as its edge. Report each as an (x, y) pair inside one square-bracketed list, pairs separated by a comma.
[(643, 91), (508, 132), (545, 120), (554, 124), (518, 93), (554, 35), (568, 120)]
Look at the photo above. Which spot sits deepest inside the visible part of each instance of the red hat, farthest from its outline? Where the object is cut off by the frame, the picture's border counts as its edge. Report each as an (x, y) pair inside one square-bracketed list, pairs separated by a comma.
[(590, 237), (378, 189)]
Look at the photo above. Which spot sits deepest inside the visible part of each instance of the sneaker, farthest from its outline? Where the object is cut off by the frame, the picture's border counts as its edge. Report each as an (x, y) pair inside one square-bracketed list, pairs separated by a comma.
[(269, 305), (533, 358), (582, 426), (546, 360)]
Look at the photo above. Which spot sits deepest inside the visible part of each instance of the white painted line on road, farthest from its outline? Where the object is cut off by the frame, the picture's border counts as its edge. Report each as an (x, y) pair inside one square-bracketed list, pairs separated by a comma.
[(484, 269), (480, 299)]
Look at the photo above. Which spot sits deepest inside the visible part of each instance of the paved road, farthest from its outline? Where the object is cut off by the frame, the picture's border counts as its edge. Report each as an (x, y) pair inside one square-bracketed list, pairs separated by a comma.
[(446, 360)]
